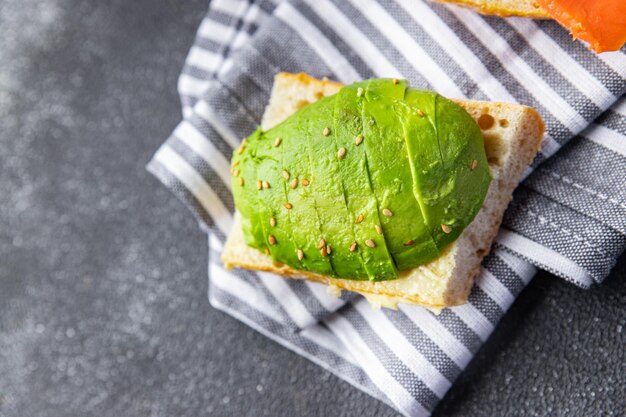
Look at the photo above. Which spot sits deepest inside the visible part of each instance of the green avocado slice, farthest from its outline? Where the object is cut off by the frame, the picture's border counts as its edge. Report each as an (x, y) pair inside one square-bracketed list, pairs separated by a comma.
[(408, 239), (270, 202), (449, 186), (360, 199), (244, 174), (326, 187), (419, 176), (290, 140)]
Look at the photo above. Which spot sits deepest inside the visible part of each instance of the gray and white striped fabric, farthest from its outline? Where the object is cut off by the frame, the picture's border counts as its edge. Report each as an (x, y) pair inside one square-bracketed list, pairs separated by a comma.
[(568, 216)]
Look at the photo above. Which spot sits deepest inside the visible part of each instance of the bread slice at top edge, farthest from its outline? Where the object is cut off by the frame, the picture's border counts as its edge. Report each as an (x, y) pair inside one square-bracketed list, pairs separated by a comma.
[(512, 138), (503, 8)]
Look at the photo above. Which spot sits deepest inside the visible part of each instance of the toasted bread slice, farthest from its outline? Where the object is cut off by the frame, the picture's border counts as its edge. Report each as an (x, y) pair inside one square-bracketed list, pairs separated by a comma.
[(504, 8), (512, 138)]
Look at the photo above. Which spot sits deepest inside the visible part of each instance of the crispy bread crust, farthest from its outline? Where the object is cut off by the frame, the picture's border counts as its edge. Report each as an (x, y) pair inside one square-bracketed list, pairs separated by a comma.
[(503, 8)]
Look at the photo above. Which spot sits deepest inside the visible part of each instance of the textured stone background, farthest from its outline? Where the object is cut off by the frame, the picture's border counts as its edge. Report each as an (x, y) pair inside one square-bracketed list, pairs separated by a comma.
[(103, 307)]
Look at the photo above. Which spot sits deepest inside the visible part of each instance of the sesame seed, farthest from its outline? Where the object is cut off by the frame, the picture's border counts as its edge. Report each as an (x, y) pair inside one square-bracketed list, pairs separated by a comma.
[(300, 254), (236, 163), (358, 140), (242, 148), (266, 184), (267, 251), (236, 172), (277, 142), (395, 81), (359, 92), (328, 250), (387, 212), (408, 243), (353, 247), (321, 244), (359, 218), (244, 141), (273, 222), (259, 184), (241, 181), (474, 164), (323, 252), (326, 131), (420, 113), (287, 206), (305, 182), (446, 229), (341, 153), (285, 174), (294, 183), (271, 239), (378, 229), (370, 243)]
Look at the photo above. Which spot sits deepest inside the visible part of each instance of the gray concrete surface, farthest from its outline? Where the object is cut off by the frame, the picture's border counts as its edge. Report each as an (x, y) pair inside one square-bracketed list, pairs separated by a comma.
[(103, 308)]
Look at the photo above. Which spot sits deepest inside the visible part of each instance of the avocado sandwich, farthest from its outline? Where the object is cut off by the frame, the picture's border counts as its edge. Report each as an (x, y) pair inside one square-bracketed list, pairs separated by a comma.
[(377, 187)]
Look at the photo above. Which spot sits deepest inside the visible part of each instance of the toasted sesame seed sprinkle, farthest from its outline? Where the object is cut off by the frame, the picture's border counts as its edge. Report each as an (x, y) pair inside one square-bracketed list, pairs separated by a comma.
[(236, 172), (359, 218), (446, 229), (353, 247), (244, 141), (288, 206), (259, 184), (378, 229), (236, 163), (285, 174), (273, 222), (328, 250), (267, 251), (300, 254), (321, 244), (358, 140), (277, 142), (305, 182), (266, 184), (242, 148), (395, 81), (323, 252), (326, 131), (241, 182), (370, 243), (294, 183), (408, 243), (474, 164), (271, 239), (359, 92), (341, 153), (420, 113), (387, 212)]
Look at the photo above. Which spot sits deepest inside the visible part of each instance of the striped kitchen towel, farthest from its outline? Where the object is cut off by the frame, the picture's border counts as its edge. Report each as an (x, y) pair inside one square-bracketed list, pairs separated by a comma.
[(567, 217)]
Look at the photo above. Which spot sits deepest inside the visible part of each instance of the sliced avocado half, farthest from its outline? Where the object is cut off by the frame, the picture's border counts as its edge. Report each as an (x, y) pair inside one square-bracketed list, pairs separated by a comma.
[(373, 180)]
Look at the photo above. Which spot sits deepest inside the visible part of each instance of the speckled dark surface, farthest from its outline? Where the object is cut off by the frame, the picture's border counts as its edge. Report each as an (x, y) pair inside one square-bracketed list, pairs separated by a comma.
[(103, 307)]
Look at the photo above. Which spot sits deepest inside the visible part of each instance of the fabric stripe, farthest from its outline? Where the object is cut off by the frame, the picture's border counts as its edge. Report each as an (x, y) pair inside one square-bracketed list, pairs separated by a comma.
[(495, 289), (439, 334), (316, 40), (544, 257), (410, 49), (400, 398), (567, 66), (187, 175), (606, 137), (405, 352), (456, 49)]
